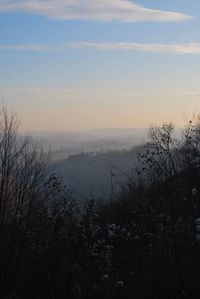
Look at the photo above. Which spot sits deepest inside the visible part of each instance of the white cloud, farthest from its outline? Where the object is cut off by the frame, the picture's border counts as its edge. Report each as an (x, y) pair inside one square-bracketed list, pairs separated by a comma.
[(190, 48), (93, 10), (186, 48)]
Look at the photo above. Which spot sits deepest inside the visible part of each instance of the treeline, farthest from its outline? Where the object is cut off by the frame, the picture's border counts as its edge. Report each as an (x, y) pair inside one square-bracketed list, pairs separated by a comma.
[(144, 243)]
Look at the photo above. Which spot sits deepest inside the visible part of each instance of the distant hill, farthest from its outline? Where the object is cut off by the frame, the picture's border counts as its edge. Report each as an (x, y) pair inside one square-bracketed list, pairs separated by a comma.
[(118, 133), (89, 174), (85, 160), (102, 140)]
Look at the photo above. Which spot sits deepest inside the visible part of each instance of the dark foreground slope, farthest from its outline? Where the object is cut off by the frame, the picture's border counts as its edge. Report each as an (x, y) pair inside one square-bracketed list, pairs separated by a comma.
[(145, 244)]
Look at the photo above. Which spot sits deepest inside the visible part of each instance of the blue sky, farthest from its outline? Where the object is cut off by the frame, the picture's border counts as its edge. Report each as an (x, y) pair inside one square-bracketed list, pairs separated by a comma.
[(69, 65)]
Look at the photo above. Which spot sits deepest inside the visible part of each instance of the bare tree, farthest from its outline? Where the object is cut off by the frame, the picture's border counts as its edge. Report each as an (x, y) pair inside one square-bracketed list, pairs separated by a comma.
[(190, 147), (22, 169), (162, 142), (157, 161)]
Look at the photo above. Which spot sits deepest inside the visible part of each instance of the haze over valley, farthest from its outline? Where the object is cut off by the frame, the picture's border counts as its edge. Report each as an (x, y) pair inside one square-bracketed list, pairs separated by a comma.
[(86, 160)]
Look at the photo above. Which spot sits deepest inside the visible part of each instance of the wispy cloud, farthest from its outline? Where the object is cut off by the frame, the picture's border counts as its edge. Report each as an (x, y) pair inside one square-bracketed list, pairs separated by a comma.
[(176, 49), (93, 10)]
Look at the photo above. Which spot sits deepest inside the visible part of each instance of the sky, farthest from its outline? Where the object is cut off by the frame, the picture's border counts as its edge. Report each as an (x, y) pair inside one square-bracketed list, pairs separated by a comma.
[(75, 65)]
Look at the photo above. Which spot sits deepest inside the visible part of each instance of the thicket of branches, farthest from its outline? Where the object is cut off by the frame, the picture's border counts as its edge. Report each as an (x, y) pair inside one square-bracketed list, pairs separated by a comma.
[(143, 244)]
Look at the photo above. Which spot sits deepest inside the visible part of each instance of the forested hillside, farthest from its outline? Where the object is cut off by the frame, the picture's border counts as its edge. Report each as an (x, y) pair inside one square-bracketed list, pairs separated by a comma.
[(97, 175)]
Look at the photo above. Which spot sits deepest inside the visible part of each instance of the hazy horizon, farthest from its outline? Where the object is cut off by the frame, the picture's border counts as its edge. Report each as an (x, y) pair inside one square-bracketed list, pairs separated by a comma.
[(86, 131), (58, 119)]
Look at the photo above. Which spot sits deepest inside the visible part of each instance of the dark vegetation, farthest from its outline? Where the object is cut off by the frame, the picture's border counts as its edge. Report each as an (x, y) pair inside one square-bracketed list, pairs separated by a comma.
[(144, 243)]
